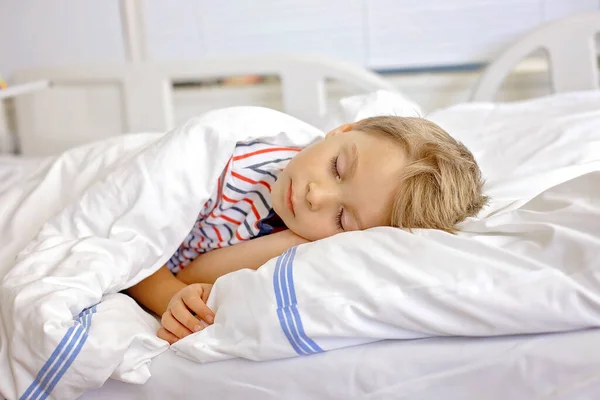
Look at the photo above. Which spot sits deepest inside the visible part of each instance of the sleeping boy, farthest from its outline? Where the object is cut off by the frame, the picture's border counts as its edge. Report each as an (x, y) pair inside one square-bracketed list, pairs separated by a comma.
[(383, 171)]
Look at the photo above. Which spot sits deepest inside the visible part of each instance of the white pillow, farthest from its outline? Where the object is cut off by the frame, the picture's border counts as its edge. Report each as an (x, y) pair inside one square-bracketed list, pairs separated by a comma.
[(382, 102), (517, 145), (525, 268)]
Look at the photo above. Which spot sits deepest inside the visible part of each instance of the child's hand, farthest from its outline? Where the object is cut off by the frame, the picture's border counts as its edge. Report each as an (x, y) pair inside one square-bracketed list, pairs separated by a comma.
[(178, 321)]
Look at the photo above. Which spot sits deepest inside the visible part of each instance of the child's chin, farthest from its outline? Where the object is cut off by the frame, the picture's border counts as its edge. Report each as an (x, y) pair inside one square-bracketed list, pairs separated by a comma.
[(279, 210), (283, 215)]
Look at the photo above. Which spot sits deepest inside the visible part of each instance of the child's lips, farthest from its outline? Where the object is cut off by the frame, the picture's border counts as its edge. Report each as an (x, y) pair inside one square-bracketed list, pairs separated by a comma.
[(288, 199)]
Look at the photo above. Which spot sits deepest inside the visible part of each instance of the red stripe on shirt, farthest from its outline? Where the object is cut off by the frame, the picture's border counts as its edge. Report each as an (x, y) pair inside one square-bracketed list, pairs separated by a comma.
[(197, 246), (233, 221), (218, 236), (203, 208), (219, 187), (254, 210), (246, 179), (218, 194), (254, 153)]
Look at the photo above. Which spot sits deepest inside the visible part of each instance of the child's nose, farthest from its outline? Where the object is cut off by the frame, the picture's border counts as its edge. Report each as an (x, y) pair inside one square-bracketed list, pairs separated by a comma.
[(319, 196)]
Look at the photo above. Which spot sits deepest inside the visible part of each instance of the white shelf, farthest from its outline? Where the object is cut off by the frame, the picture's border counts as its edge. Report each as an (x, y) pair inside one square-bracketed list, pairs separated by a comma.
[(24, 88)]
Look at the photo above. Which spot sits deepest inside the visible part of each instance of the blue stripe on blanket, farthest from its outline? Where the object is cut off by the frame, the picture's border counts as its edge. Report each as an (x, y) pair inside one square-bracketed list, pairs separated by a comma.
[(287, 306), (62, 357)]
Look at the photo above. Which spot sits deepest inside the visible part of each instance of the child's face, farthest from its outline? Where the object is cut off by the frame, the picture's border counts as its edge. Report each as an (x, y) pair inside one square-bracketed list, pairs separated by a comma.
[(346, 182)]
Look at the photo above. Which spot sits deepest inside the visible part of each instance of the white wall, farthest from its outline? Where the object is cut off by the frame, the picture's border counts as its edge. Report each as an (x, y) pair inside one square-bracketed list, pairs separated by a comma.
[(409, 33), (40, 33), (382, 34)]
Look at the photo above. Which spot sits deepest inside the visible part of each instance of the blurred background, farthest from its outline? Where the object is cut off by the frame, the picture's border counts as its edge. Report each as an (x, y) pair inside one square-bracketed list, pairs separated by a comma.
[(430, 50)]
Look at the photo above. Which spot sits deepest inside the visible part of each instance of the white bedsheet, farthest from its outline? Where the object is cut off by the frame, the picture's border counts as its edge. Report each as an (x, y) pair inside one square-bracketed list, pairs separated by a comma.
[(556, 366)]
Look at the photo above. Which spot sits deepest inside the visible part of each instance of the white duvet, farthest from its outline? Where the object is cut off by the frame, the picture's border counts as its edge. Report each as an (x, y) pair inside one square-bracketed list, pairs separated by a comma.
[(112, 213), (100, 218)]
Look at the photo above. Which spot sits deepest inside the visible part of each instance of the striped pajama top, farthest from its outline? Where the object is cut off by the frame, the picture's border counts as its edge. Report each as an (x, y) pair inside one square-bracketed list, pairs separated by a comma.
[(240, 208)]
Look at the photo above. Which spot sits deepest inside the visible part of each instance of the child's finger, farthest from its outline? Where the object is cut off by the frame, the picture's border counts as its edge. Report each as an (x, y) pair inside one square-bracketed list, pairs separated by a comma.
[(166, 335), (206, 288), (194, 302), (170, 323), (185, 317)]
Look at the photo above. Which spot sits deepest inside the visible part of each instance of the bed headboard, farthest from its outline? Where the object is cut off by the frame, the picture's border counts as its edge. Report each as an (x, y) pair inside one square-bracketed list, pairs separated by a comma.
[(571, 47), (144, 94)]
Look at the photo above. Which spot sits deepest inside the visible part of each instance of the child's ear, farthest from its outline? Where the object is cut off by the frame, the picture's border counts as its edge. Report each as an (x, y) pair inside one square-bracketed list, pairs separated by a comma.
[(341, 129)]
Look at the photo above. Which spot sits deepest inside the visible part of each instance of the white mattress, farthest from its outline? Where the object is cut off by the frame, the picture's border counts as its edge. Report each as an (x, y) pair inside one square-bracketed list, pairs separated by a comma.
[(557, 366)]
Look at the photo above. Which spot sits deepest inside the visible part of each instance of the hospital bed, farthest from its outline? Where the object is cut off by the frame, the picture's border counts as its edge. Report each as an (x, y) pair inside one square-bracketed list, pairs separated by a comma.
[(557, 366)]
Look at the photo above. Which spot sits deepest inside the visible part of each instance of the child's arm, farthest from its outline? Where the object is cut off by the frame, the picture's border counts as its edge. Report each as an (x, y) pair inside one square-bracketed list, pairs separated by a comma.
[(156, 291), (207, 267)]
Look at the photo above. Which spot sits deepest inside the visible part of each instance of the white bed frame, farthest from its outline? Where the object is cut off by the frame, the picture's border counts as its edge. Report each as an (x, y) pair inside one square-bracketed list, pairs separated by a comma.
[(145, 92), (572, 46), (141, 93)]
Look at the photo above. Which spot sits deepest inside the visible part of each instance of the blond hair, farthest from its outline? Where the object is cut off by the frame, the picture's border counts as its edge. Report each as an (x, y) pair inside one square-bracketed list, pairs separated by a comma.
[(440, 185)]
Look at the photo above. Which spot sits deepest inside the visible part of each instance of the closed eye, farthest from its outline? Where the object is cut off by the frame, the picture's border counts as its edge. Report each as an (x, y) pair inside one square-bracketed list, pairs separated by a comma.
[(338, 220), (334, 167)]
